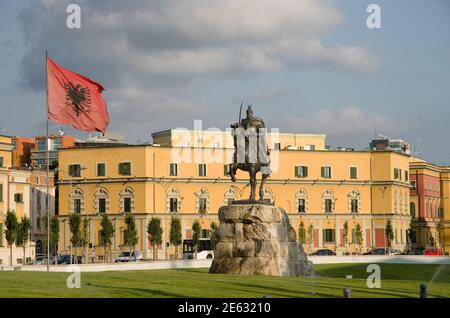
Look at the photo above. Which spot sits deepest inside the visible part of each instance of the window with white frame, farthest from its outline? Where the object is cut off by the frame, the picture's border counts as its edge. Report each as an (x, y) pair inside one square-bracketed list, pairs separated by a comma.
[(173, 204), (229, 196), (325, 172), (202, 201), (76, 201), (354, 201), (127, 200), (101, 203), (328, 201), (301, 199), (173, 169)]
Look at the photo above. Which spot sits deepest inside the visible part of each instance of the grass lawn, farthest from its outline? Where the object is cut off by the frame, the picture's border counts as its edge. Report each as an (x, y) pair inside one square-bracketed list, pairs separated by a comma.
[(397, 280)]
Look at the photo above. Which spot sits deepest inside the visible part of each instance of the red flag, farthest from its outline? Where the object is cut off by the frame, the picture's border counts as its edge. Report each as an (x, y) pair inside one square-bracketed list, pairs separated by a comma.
[(74, 99)]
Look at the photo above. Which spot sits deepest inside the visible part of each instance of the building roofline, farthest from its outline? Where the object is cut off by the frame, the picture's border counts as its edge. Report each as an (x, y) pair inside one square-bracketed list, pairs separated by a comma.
[(225, 131)]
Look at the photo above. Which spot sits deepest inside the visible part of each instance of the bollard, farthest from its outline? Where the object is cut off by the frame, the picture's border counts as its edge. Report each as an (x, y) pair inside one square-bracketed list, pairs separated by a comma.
[(347, 293), (423, 291)]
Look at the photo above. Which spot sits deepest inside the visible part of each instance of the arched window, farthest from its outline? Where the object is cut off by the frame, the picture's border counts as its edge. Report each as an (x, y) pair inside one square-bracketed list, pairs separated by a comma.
[(101, 201), (76, 201), (412, 209), (202, 201), (268, 195), (328, 201), (229, 196), (301, 201), (127, 200), (354, 201), (173, 203)]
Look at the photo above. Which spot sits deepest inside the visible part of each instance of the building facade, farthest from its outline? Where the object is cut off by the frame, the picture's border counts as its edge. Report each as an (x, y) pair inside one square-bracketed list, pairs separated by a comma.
[(430, 205), (184, 174), (24, 192)]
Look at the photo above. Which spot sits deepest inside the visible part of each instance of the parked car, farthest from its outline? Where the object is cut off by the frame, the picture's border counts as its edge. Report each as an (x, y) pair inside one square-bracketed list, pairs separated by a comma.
[(432, 252), (39, 260), (323, 252), (414, 251), (65, 259), (376, 251), (394, 251), (134, 256)]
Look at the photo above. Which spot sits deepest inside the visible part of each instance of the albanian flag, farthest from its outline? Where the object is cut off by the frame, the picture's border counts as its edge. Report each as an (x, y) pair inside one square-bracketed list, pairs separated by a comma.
[(74, 99)]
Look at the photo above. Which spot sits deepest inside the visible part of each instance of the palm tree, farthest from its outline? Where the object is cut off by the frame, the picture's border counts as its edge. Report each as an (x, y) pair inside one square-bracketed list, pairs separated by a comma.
[(11, 232)]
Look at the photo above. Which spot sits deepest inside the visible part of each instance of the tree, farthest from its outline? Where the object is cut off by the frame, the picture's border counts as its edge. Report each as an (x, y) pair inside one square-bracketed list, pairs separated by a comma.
[(346, 236), (175, 236), (74, 223), (389, 232), (11, 232), (107, 232), (196, 231), (85, 239), (359, 237), (213, 234), (301, 233), (54, 235), (132, 236), (310, 236), (23, 234), (154, 231)]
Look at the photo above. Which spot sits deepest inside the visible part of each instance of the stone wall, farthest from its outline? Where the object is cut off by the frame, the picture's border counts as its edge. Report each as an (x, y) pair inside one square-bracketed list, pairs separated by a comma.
[(257, 239)]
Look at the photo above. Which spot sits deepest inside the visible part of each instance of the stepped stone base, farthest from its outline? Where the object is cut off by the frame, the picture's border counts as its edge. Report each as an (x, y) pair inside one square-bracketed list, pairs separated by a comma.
[(257, 239)]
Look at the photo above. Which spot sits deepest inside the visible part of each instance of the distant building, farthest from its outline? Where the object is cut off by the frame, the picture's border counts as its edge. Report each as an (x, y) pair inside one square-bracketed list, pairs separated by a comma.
[(24, 191), (38, 155), (98, 141), (384, 143)]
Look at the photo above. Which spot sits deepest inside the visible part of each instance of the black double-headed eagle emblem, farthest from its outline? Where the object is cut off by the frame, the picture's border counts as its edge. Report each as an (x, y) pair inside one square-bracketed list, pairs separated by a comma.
[(78, 98)]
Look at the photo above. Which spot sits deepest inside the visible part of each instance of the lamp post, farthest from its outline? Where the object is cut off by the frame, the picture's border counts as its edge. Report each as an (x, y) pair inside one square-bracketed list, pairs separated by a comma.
[(383, 189)]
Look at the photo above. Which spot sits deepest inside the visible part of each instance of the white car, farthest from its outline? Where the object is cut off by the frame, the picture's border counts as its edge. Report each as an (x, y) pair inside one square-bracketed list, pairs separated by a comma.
[(135, 256)]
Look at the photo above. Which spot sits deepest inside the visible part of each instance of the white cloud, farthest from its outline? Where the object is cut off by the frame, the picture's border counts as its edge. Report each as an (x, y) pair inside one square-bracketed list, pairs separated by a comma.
[(345, 122)]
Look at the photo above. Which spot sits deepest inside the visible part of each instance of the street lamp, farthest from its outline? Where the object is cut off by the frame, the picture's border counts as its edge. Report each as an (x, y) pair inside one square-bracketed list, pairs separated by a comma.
[(383, 189)]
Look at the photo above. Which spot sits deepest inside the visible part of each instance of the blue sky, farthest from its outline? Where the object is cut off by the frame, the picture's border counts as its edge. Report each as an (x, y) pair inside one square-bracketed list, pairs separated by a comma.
[(306, 66)]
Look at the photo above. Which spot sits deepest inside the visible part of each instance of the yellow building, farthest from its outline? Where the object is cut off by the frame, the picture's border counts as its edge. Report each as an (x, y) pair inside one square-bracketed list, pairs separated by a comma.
[(24, 192), (319, 188)]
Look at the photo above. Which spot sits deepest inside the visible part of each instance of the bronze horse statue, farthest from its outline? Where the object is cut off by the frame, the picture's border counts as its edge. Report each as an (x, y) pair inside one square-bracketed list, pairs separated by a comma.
[(252, 163)]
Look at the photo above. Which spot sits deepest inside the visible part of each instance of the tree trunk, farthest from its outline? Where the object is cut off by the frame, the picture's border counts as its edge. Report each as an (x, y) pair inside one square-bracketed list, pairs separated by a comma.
[(56, 254), (10, 255), (24, 258), (176, 252)]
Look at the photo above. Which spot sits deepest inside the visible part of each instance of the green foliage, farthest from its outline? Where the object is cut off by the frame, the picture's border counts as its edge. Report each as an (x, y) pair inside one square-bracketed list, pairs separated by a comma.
[(196, 229), (311, 234), (85, 240), (74, 223), (107, 230), (213, 234), (359, 234), (154, 231), (389, 232), (302, 233), (23, 231), (175, 236), (54, 231), (346, 233), (12, 227), (131, 230)]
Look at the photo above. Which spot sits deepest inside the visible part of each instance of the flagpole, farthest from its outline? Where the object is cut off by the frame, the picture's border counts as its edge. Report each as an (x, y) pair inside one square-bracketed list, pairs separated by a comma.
[(48, 164)]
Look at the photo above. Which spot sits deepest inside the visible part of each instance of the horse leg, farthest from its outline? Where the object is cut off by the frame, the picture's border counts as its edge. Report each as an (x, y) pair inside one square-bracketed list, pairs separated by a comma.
[(261, 187), (252, 174), (233, 169)]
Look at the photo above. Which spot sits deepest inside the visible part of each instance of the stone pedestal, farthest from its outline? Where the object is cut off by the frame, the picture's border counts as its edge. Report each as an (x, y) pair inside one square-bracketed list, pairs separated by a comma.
[(257, 239)]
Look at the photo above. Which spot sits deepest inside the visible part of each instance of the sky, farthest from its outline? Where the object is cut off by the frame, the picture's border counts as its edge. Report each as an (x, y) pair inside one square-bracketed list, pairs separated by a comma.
[(306, 66)]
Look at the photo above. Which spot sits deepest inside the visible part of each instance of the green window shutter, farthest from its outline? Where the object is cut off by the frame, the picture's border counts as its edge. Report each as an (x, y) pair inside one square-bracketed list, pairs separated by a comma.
[(322, 172), (1, 192), (305, 171), (121, 168), (296, 171), (1, 234), (71, 170)]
